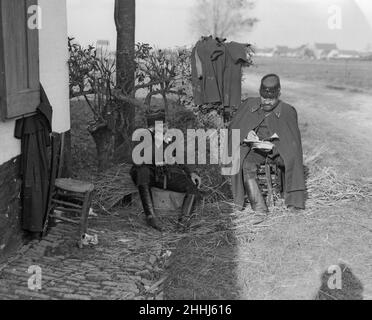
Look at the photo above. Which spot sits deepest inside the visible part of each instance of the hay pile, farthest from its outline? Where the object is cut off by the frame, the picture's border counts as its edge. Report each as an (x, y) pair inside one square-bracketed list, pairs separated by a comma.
[(112, 186), (326, 187), (219, 220)]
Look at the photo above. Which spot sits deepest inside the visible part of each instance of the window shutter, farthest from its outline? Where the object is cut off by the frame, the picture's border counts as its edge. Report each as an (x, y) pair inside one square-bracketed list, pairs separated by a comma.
[(19, 60)]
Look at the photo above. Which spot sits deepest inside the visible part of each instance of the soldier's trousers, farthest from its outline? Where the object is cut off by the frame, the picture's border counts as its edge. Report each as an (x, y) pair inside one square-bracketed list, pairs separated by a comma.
[(250, 166), (256, 158), (176, 180)]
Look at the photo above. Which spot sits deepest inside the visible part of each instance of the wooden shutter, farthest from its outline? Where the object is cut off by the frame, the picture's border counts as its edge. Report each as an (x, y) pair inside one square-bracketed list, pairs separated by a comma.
[(19, 60)]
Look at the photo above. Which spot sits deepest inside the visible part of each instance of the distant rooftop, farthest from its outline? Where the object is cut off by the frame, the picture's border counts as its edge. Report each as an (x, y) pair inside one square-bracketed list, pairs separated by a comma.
[(264, 50), (349, 52), (103, 43), (326, 46)]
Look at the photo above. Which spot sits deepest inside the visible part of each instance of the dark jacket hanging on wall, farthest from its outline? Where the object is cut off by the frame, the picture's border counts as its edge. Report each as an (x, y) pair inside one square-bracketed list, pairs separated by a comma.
[(34, 131)]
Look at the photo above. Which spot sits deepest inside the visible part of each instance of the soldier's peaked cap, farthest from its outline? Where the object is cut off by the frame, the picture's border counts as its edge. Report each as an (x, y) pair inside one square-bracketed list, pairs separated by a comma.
[(153, 116), (270, 86)]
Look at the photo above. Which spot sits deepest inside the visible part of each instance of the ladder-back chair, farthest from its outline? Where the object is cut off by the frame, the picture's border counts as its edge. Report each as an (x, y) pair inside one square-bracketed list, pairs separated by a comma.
[(68, 196)]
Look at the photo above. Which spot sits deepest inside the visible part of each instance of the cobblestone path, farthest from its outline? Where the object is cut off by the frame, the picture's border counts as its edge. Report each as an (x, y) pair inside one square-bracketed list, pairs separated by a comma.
[(128, 263)]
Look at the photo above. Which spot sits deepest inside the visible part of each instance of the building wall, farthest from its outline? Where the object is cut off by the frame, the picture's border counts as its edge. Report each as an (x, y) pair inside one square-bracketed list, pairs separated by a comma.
[(53, 54), (9, 146), (53, 75)]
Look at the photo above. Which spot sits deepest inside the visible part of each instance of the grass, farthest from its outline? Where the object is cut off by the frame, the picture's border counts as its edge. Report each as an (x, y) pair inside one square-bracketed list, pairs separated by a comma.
[(339, 74)]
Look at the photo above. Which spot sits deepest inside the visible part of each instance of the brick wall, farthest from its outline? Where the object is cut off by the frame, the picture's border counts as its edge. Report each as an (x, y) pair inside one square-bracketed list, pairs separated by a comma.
[(10, 186)]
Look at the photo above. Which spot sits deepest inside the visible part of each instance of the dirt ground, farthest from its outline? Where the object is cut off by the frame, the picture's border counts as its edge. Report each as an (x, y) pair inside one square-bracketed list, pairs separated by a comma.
[(289, 256)]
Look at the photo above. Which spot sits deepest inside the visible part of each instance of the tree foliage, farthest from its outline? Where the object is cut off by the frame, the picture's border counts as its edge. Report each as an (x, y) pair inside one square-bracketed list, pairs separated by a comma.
[(222, 18), (163, 72), (93, 77)]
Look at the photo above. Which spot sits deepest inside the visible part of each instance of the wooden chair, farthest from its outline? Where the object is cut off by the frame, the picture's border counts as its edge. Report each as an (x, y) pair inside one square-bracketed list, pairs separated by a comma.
[(67, 195)]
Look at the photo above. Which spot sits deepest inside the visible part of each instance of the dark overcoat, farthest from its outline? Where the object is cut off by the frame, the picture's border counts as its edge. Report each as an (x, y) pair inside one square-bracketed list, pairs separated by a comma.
[(284, 122), (34, 132)]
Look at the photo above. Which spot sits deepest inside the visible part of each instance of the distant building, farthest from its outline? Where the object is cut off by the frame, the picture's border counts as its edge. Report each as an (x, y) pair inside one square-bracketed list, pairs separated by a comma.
[(103, 43), (348, 54), (266, 52), (325, 50), (284, 51), (312, 51), (281, 51), (366, 56), (102, 47)]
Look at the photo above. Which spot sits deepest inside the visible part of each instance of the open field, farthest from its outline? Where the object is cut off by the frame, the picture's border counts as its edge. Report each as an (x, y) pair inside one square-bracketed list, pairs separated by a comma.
[(335, 73)]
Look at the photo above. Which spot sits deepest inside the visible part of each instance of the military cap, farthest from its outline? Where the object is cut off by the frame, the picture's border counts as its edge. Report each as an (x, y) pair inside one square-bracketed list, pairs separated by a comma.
[(154, 116), (270, 86)]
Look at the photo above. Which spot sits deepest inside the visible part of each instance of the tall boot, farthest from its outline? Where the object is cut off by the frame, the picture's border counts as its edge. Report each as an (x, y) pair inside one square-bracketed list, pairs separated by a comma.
[(256, 199), (148, 206), (187, 207)]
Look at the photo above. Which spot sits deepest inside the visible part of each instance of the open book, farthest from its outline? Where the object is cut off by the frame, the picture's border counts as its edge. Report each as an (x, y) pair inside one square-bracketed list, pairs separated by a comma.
[(255, 142)]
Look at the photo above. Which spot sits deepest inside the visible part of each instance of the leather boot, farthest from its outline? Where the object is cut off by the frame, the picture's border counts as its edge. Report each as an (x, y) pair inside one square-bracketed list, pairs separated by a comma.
[(187, 207), (148, 207), (256, 199)]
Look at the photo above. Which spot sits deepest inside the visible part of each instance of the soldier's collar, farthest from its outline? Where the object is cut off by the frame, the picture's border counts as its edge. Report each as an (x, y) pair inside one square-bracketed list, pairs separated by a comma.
[(277, 111)]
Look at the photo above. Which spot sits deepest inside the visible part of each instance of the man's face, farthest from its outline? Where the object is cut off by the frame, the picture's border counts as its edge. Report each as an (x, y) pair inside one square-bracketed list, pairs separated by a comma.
[(165, 133), (269, 104)]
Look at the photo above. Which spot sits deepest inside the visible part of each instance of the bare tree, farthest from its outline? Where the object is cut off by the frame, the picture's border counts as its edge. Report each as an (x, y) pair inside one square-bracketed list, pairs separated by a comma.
[(222, 18)]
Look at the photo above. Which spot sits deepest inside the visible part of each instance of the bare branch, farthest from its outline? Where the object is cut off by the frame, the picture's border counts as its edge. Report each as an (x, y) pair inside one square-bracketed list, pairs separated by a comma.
[(118, 94)]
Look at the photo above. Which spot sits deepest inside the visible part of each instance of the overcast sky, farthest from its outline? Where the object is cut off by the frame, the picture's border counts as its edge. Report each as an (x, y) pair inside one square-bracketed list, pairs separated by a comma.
[(166, 23)]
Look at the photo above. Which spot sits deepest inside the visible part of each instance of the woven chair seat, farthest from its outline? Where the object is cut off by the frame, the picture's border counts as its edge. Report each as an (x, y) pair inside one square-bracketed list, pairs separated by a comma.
[(74, 185)]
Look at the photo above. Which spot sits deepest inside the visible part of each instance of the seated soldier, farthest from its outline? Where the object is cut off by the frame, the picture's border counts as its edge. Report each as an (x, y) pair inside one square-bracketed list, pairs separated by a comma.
[(177, 178), (271, 120)]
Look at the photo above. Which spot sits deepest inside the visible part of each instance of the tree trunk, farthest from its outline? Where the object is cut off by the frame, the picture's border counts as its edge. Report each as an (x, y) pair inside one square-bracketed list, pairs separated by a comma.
[(125, 20), (102, 136), (166, 107)]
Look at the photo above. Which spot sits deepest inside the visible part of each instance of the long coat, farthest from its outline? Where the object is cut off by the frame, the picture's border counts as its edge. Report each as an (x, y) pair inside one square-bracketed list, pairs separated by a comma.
[(34, 133), (284, 122)]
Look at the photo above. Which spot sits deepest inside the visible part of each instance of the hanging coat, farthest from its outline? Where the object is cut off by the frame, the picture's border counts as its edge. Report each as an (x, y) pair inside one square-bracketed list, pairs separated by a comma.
[(206, 49), (217, 71), (236, 58), (34, 132), (282, 121), (197, 77)]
